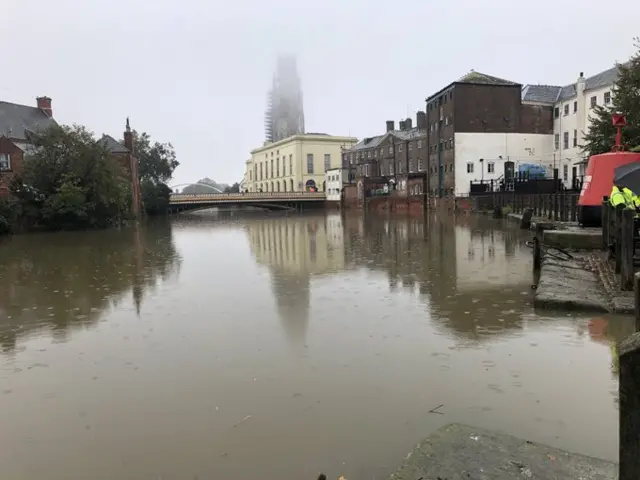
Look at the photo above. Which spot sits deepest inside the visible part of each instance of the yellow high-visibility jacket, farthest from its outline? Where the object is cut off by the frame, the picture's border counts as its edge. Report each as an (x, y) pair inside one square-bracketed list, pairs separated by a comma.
[(620, 197)]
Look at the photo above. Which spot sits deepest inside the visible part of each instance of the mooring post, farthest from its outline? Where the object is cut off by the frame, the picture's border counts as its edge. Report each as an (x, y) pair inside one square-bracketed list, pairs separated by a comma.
[(629, 406), (525, 222), (636, 292), (604, 218), (627, 249), (537, 252)]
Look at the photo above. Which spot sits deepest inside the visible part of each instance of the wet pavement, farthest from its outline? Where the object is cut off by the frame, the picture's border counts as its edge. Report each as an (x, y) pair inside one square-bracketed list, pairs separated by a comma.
[(246, 346)]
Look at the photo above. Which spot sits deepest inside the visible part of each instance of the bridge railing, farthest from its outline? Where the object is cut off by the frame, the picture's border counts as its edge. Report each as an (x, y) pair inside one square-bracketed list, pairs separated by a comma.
[(190, 197)]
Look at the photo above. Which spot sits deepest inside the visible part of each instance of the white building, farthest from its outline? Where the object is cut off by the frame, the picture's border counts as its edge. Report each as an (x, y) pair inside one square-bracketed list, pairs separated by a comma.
[(572, 107), (335, 180), (481, 156)]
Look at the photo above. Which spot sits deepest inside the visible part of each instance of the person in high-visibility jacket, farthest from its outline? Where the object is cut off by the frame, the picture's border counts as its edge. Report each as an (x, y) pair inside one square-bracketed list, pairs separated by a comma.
[(621, 196)]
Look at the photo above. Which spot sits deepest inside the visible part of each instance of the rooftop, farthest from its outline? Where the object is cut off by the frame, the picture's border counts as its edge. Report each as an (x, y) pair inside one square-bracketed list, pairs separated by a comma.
[(477, 78), (550, 94), (16, 120), (113, 145)]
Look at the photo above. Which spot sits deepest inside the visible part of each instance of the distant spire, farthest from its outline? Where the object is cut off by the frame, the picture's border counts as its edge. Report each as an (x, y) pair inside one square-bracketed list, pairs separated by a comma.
[(128, 127)]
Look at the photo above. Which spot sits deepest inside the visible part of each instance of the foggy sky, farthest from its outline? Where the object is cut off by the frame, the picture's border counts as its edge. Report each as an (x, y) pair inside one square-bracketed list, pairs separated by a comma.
[(196, 72)]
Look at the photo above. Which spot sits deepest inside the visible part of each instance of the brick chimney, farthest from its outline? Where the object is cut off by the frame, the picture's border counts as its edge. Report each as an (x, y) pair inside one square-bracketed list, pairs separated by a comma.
[(390, 125), (128, 138), (402, 125), (408, 124), (421, 120), (44, 104)]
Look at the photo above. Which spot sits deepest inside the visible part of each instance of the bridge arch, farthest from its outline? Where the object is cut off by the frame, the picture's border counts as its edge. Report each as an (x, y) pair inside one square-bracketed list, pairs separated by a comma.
[(182, 185)]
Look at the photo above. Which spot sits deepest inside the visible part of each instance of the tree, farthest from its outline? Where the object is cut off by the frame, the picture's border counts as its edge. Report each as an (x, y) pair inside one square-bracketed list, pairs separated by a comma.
[(70, 181), (235, 188), (157, 162), (626, 100), (155, 197)]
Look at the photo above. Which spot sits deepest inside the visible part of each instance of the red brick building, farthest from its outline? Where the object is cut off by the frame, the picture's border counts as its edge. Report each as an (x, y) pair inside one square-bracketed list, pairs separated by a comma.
[(18, 121)]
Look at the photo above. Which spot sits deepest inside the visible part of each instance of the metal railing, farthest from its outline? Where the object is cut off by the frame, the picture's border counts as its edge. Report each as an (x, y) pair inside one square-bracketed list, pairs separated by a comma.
[(219, 197), (562, 206)]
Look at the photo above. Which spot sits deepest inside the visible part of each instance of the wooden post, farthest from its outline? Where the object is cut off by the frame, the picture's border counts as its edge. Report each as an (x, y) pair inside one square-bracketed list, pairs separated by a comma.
[(574, 208), (618, 238), (629, 408), (537, 253), (604, 218), (555, 206), (525, 223), (636, 291), (627, 249)]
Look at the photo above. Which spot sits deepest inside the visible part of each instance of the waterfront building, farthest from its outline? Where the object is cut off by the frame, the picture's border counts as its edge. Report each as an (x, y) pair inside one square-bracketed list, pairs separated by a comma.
[(477, 124), (295, 164), (572, 105)]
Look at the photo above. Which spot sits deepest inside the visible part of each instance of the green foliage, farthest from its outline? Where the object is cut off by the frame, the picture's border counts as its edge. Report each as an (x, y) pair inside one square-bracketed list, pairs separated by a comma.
[(155, 197), (235, 188), (157, 160), (70, 181), (8, 216), (626, 100)]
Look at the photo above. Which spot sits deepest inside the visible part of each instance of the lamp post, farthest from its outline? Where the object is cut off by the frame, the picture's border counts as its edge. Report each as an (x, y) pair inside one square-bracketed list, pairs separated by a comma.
[(482, 169)]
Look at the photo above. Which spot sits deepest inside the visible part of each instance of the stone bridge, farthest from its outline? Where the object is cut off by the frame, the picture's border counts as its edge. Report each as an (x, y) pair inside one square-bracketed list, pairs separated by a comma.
[(181, 202)]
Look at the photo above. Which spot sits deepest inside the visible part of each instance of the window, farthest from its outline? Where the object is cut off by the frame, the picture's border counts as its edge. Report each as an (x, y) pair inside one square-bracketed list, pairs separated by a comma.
[(419, 143), (399, 147), (309, 162), (290, 164), (556, 112), (271, 170), (419, 164), (381, 152), (575, 107), (390, 149), (607, 98), (556, 141), (594, 101), (566, 109), (277, 166), (5, 162), (565, 172), (575, 138), (565, 140), (469, 167), (260, 171), (491, 167), (327, 161), (409, 145)]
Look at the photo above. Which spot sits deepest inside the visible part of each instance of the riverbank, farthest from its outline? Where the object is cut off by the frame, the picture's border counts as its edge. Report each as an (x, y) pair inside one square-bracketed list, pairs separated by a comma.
[(460, 451), (586, 281)]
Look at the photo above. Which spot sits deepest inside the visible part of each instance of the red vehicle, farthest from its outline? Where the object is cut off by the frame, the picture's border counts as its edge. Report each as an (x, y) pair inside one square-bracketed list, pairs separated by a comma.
[(598, 179)]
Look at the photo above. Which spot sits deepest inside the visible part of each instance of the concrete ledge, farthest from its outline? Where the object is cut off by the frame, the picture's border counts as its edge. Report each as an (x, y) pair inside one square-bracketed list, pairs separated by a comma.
[(457, 452), (568, 285), (573, 239)]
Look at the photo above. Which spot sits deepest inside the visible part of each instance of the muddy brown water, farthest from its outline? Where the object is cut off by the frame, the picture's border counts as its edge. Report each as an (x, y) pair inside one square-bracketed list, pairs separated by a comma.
[(265, 346)]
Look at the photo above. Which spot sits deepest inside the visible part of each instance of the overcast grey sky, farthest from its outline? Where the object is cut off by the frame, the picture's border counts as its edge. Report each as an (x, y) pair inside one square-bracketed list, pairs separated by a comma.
[(196, 72)]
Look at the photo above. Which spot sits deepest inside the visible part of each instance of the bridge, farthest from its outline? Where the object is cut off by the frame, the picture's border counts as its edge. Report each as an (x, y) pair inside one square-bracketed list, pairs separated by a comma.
[(182, 202)]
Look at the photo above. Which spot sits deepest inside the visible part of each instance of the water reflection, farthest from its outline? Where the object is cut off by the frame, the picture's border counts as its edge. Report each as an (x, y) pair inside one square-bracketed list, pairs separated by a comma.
[(295, 249), (60, 281), (474, 276)]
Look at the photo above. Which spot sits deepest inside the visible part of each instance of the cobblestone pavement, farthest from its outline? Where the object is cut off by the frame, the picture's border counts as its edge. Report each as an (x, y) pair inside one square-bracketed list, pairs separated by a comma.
[(622, 302)]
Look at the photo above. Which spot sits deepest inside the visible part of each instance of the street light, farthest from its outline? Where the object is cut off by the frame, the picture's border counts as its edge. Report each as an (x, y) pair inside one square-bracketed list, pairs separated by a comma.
[(482, 170)]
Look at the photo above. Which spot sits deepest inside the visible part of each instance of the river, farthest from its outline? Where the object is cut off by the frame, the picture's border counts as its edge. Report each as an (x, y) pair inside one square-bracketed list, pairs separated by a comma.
[(247, 346)]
